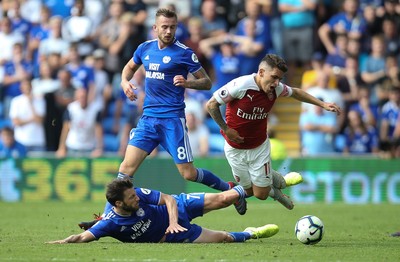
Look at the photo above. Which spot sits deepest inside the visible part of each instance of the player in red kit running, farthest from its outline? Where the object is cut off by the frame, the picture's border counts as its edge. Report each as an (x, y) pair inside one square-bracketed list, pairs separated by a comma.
[(248, 101)]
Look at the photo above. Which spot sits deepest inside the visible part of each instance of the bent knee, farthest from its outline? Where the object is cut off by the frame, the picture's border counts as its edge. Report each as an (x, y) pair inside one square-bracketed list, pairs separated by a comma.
[(261, 197), (188, 173)]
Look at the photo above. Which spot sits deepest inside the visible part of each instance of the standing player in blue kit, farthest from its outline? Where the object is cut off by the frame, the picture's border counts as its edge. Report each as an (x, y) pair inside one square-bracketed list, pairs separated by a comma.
[(167, 63)]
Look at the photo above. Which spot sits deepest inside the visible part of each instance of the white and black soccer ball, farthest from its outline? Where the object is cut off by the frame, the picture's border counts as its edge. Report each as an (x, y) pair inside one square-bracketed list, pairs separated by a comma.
[(309, 230)]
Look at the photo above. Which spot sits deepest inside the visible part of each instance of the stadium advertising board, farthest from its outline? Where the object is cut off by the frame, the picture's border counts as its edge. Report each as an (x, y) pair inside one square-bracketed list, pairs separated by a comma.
[(329, 180)]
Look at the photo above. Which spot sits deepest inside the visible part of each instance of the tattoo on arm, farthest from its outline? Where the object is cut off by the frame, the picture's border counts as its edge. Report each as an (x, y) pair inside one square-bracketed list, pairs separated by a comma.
[(202, 81), (215, 113)]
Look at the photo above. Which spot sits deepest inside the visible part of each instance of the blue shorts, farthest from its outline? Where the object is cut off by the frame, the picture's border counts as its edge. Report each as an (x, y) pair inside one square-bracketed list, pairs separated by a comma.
[(190, 206), (171, 133)]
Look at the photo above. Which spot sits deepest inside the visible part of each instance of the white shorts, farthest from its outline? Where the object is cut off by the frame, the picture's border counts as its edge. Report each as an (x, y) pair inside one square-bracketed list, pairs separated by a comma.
[(250, 166)]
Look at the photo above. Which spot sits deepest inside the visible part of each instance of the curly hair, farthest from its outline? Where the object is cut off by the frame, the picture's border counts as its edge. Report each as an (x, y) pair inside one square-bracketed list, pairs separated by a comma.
[(116, 189)]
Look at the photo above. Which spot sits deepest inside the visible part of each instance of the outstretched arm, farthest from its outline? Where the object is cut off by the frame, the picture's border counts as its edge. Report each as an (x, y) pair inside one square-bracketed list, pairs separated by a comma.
[(81, 238), (302, 96), (172, 208)]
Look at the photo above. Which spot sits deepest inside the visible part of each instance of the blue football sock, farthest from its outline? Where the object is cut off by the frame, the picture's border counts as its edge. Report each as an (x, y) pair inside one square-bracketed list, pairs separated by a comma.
[(209, 179), (240, 236), (241, 191), (122, 176)]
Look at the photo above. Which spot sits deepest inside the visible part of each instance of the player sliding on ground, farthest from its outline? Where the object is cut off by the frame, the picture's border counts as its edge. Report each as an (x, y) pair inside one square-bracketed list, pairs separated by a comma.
[(147, 216), (249, 100)]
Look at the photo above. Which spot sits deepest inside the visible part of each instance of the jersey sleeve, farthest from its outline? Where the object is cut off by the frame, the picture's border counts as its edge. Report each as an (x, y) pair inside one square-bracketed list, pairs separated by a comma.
[(231, 91), (283, 90), (101, 229), (148, 196), (191, 61), (137, 56)]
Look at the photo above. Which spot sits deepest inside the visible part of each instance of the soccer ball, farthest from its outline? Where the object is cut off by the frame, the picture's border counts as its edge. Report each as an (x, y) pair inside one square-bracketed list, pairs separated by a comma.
[(309, 230)]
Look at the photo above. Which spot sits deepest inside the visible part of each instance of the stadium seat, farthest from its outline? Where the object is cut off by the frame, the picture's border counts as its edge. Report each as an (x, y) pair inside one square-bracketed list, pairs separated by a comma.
[(111, 143)]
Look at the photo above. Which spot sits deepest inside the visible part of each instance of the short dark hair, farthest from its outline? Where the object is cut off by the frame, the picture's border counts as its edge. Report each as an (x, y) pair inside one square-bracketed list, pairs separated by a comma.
[(8, 130), (166, 13), (275, 61), (116, 189)]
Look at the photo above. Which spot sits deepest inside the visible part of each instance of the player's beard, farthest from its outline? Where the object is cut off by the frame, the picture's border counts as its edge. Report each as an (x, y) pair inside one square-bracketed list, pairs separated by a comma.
[(127, 208), (166, 41)]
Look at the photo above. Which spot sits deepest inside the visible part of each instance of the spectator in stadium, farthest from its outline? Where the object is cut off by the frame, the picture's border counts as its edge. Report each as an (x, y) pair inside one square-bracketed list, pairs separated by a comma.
[(141, 215), (373, 71), (82, 74), (349, 82), (318, 130), (256, 26), (139, 11), (249, 100), (360, 137), (220, 50), (16, 70), (391, 36), (310, 77), (45, 82), (82, 132), (56, 104), (349, 22), (353, 49), (213, 24), (54, 43), (323, 91), (9, 147), (19, 24), (112, 35), (373, 25), (388, 121), (167, 63), (27, 114), (298, 21), (31, 10), (38, 33), (78, 28), (335, 62), (271, 9), (368, 111), (392, 77), (391, 11), (102, 84), (8, 39), (196, 34)]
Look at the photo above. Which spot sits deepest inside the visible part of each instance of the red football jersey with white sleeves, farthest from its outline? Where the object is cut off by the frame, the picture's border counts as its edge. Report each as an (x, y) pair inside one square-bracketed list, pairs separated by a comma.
[(247, 108)]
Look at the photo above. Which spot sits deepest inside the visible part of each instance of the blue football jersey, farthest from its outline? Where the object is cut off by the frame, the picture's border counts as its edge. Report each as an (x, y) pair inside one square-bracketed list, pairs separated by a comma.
[(147, 224), (164, 99)]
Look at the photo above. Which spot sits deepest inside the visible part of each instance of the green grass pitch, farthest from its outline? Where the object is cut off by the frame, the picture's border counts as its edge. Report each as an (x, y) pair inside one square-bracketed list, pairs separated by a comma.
[(352, 233)]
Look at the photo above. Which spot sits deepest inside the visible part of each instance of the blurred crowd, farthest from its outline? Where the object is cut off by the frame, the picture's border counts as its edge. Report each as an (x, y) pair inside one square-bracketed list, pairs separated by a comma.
[(60, 65)]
